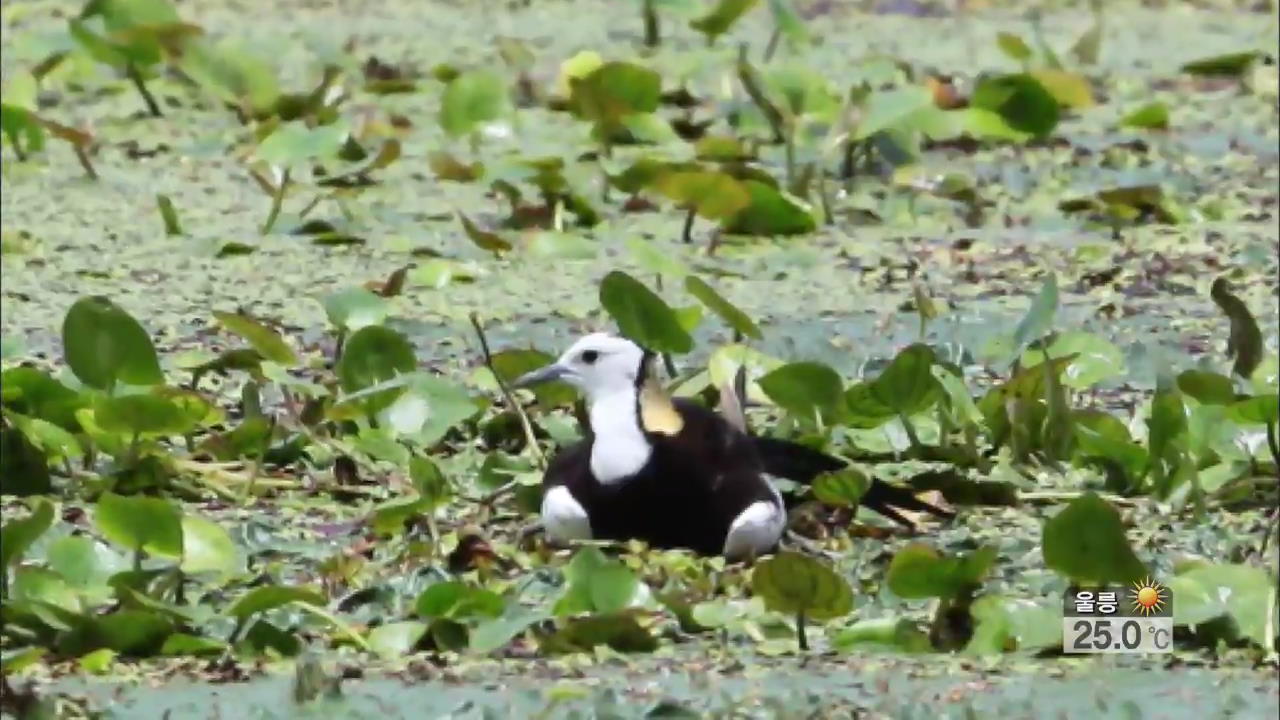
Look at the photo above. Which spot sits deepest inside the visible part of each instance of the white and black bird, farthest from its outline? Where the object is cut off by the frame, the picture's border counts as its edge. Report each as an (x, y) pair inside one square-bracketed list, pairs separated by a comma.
[(668, 470)]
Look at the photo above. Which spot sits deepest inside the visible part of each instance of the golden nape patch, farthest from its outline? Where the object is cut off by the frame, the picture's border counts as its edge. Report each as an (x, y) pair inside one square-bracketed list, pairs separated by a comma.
[(657, 413)]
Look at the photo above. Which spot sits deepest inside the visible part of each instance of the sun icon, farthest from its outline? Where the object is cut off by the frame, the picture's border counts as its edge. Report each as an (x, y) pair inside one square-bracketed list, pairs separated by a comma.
[(1148, 596)]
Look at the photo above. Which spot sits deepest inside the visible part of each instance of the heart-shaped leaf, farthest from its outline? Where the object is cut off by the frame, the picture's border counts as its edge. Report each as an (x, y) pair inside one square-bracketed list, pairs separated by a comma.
[(1021, 101), (269, 597), (641, 315), (266, 341), (843, 488), (375, 354), (104, 345), (801, 388), (1086, 543), (472, 100), (919, 571), (727, 311), (18, 535), (797, 584), (354, 308), (140, 523)]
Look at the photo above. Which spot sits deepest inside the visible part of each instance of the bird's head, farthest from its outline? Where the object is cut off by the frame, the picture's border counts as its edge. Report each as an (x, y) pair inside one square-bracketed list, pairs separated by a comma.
[(598, 364)]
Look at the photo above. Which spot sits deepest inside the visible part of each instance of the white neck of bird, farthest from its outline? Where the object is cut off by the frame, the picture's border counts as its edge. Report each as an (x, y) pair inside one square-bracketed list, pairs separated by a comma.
[(619, 448)]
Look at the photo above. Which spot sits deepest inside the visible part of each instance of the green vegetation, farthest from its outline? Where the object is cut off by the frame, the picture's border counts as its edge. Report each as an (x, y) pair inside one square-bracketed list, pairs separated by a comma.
[(260, 321)]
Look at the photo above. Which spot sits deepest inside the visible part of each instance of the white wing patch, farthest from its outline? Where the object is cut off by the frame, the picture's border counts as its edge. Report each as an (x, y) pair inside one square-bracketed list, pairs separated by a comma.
[(563, 517), (757, 529)]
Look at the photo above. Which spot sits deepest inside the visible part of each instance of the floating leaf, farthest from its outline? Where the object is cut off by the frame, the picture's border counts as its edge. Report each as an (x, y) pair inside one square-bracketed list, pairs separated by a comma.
[(395, 640), (1071, 90), (797, 584), (354, 308), (1014, 624), (620, 631), (1208, 388), (269, 597), (596, 584), (168, 215), (732, 316), (1092, 358), (207, 547), (712, 195), (906, 385), (722, 17), (18, 535), (919, 571), (484, 239), (614, 90), (772, 212), (1021, 101), (104, 345), (471, 100), (1240, 592), (1152, 116), (294, 143), (262, 338), (1229, 65), (496, 633), (456, 600), (843, 488), (147, 414), (1013, 46), (1260, 410), (447, 167), (375, 354), (140, 523), (1086, 543), (641, 315), (801, 388)]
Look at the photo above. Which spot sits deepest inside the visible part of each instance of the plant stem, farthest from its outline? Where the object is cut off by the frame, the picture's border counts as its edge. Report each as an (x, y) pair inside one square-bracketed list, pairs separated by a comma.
[(277, 202), (686, 233), (1272, 442), (652, 33), (135, 77), (800, 634), (772, 47), (530, 439)]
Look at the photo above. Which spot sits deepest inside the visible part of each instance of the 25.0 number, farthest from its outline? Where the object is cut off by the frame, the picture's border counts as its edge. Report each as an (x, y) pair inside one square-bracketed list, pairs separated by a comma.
[(1100, 630)]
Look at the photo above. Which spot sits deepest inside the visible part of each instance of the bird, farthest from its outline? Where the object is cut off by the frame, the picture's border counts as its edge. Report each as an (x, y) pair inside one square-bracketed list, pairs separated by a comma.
[(670, 471)]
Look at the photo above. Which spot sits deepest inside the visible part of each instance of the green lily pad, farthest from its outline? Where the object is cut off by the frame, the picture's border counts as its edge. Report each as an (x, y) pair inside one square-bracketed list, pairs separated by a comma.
[(641, 315), (269, 597), (140, 523), (1021, 100), (797, 584), (104, 345), (18, 535), (727, 311), (801, 388), (919, 571), (266, 341), (471, 100), (1086, 542), (375, 354)]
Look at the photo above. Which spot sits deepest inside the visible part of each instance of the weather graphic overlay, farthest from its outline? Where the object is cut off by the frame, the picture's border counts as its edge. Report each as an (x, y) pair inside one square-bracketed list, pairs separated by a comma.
[(1118, 619), (1148, 597)]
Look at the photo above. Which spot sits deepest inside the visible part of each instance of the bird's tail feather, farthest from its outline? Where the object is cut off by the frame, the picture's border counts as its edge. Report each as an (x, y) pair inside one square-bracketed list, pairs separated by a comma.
[(802, 464)]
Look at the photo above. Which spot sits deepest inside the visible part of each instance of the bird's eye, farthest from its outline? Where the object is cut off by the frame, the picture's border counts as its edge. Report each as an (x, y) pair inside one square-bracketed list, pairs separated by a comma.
[(590, 356)]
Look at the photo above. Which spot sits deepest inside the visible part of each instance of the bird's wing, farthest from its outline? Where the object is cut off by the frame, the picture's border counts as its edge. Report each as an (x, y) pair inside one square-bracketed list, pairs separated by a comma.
[(802, 464)]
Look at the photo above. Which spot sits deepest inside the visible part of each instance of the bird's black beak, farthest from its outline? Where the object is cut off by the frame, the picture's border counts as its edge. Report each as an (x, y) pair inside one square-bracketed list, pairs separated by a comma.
[(554, 371)]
